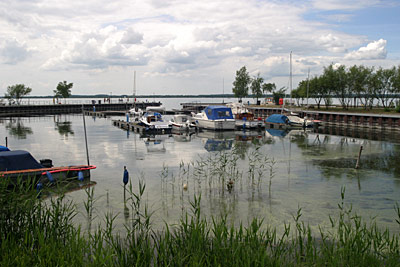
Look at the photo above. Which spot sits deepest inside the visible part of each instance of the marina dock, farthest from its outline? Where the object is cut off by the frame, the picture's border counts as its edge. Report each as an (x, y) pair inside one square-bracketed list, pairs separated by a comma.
[(134, 127)]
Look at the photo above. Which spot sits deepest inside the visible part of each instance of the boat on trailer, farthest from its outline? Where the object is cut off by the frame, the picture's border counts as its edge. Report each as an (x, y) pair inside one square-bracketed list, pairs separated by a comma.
[(20, 165)]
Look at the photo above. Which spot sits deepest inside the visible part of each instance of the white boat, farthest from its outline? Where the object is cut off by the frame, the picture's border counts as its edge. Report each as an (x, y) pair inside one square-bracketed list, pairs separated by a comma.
[(243, 118), (215, 118), (300, 122), (154, 120), (135, 113), (182, 122)]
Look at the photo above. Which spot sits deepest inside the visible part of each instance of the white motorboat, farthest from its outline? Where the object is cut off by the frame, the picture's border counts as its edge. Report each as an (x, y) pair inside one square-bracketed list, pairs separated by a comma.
[(243, 118), (300, 122), (154, 120), (135, 113), (182, 122), (215, 118)]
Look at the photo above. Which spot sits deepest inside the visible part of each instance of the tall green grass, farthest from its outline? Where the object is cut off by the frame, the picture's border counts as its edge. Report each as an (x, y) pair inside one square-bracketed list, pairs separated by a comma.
[(34, 232)]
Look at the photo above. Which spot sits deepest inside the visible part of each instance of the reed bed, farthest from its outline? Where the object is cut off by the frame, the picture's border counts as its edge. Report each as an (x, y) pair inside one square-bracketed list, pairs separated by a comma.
[(34, 232)]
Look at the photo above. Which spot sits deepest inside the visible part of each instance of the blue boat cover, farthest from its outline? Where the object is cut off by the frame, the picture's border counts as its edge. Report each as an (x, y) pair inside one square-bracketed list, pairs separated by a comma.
[(4, 148), (18, 160), (218, 112), (277, 118)]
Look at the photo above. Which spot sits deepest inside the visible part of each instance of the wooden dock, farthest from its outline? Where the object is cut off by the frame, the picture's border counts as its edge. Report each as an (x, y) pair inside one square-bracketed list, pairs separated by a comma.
[(135, 127), (34, 110)]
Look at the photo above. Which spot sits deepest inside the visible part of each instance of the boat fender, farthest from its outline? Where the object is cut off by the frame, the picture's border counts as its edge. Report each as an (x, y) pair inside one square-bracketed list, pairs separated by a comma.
[(126, 176), (50, 176), (80, 176)]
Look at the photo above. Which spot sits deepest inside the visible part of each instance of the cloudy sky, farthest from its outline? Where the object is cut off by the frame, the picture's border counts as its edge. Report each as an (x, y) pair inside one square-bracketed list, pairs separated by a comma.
[(185, 46)]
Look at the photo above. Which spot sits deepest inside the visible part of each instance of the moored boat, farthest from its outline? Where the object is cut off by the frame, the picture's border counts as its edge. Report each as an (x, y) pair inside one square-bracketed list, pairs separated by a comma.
[(182, 122), (154, 121), (215, 118), (21, 165)]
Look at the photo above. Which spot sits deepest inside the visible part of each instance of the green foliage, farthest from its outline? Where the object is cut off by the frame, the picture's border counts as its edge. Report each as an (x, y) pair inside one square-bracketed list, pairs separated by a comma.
[(356, 82), (256, 84), (278, 94), (17, 92), (241, 84), (42, 233), (63, 89)]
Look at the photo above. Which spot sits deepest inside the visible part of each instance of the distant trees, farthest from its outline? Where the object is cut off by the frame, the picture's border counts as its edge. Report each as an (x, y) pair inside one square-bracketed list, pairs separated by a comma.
[(63, 89), (352, 85), (17, 92)]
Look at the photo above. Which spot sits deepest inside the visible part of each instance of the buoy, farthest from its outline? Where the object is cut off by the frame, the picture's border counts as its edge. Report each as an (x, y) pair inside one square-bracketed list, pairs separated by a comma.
[(126, 176), (80, 176), (50, 176), (185, 186)]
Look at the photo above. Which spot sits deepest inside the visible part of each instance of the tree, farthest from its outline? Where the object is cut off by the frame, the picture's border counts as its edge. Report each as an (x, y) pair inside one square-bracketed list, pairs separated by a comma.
[(278, 94), (385, 90), (241, 84), (256, 84), (358, 79), (17, 92), (268, 87), (63, 89)]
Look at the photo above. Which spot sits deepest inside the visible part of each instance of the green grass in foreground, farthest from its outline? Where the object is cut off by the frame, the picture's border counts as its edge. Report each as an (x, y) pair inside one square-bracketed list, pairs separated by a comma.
[(34, 232)]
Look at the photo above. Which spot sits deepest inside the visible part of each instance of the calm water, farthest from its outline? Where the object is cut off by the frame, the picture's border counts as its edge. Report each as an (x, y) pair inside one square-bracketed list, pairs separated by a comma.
[(309, 170)]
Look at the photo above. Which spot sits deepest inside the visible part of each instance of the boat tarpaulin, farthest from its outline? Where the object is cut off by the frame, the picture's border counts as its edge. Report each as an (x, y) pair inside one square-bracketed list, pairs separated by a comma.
[(4, 148), (18, 160), (277, 118), (218, 112)]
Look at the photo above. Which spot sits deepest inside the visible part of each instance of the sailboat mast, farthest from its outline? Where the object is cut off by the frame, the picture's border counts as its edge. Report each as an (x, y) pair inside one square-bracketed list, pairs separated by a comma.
[(134, 86), (290, 81)]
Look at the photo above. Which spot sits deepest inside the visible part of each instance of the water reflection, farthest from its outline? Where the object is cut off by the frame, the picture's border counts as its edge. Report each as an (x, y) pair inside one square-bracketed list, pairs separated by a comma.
[(63, 127), (155, 143), (16, 128)]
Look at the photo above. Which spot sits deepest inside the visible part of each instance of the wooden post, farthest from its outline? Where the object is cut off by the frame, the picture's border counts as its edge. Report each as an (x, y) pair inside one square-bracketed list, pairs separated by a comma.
[(359, 155)]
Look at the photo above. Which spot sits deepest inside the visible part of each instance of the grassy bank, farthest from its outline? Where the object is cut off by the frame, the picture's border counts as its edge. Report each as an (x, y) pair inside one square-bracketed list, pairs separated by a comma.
[(43, 233)]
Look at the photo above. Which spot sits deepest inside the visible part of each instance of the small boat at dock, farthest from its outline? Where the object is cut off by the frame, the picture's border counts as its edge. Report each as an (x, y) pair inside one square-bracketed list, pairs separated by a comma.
[(21, 165), (154, 121), (182, 122)]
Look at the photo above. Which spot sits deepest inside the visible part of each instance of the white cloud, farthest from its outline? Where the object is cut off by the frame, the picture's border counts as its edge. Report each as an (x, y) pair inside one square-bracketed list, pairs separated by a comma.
[(374, 50), (13, 52), (193, 42)]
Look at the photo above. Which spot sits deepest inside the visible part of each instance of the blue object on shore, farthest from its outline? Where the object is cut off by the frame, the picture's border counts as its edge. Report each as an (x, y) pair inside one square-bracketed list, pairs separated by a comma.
[(126, 176), (80, 176), (127, 117), (50, 177)]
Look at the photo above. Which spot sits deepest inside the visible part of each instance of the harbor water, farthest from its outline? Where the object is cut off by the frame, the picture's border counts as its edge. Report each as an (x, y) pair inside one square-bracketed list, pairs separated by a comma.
[(273, 173)]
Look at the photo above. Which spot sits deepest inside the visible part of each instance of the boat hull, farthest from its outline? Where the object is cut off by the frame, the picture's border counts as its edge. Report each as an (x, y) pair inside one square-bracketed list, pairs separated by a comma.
[(47, 175), (219, 125)]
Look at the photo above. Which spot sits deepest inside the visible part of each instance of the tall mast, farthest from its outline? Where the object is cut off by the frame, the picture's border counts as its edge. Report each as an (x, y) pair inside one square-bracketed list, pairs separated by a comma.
[(134, 86), (290, 81)]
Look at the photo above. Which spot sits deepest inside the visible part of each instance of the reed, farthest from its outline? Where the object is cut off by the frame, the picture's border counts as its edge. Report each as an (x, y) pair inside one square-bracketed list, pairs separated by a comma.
[(43, 233)]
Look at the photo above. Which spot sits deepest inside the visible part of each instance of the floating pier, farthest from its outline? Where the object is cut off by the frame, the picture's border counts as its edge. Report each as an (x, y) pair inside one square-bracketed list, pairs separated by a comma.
[(135, 127)]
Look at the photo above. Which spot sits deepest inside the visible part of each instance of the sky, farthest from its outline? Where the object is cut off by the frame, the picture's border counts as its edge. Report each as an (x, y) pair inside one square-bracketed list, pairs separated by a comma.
[(188, 47)]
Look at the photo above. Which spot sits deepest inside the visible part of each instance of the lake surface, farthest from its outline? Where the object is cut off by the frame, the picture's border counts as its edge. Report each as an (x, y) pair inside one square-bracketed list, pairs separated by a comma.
[(274, 173)]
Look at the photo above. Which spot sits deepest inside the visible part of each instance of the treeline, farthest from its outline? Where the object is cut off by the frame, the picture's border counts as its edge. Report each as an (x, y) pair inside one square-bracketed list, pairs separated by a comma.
[(353, 86)]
